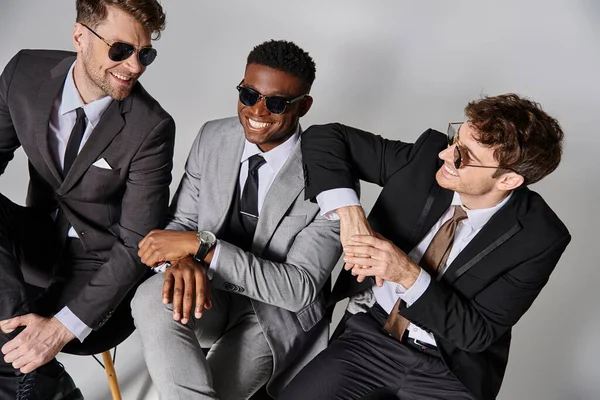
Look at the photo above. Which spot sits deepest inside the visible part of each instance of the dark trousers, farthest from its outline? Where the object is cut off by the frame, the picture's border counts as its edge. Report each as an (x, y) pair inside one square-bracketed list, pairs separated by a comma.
[(40, 274), (364, 362)]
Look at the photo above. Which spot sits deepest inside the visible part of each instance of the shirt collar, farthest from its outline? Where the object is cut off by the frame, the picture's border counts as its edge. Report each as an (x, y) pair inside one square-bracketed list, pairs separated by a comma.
[(276, 157), (71, 100), (478, 218)]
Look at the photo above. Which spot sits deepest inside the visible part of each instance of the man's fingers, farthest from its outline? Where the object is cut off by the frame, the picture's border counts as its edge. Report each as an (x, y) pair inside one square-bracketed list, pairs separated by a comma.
[(177, 296), (379, 281), (363, 261), (189, 285), (355, 250), (201, 296), (167, 287), (369, 241), (9, 325)]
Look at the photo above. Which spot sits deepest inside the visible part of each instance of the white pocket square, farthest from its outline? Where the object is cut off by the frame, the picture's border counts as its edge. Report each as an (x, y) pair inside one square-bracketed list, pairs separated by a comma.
[(102, 163)]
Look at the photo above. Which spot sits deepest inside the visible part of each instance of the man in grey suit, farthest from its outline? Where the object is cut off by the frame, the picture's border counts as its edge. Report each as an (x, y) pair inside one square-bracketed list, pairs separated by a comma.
[(100, 154), (268, 271)]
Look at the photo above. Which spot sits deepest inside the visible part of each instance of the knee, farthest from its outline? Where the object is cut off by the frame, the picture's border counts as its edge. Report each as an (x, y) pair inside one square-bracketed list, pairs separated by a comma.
[(147, 300)]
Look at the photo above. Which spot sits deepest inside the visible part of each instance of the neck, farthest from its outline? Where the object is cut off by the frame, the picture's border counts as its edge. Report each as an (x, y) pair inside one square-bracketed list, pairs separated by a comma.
[(83, 84), (481, 202)]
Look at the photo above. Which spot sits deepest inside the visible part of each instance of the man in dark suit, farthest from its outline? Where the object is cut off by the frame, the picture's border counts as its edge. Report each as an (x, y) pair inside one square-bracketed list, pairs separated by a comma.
[(100, 155), (469, 247)]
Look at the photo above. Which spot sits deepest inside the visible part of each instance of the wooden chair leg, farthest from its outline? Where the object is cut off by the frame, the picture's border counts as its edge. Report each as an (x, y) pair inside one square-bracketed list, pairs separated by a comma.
[(113, 383)]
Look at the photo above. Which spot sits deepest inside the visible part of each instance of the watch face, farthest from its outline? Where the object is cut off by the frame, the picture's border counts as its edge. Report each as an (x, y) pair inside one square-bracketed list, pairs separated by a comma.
[(207, 237)]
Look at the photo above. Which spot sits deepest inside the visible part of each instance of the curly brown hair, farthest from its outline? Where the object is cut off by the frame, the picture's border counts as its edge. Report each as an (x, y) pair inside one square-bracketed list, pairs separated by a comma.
[(526, 139), (148, 12)]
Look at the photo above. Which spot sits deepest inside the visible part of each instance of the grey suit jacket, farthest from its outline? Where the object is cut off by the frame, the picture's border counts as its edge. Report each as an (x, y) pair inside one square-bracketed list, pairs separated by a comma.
[(111, 210), (293, 252)]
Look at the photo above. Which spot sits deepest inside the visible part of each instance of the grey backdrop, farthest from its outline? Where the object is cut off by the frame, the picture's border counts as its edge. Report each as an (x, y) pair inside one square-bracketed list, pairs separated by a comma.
[(395, 68)]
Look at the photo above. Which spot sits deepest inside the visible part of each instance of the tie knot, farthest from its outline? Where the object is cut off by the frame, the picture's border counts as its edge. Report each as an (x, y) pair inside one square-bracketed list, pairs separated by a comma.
[(80, 113), (459, 213), (255, 162)]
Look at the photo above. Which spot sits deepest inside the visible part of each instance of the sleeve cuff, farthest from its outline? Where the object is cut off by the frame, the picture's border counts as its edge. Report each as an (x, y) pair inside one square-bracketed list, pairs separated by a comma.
[(331, 200), (73, 323), (162, 267), (215, 259), (417, 289)]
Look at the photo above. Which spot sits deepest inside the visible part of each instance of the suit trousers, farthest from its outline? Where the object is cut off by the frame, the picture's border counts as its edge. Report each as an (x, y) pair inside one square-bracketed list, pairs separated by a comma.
[(38, 274), (365, 362), (238, 363)]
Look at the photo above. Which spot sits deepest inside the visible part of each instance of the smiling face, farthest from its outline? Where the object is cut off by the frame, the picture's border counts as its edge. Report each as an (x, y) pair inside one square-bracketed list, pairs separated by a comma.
[(261, 127), (477, 187), (96, 75)]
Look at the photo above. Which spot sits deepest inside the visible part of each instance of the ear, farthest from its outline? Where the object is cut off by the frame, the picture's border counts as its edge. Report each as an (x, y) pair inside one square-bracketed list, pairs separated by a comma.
[(510, 181), (305, 105), (78, 37)]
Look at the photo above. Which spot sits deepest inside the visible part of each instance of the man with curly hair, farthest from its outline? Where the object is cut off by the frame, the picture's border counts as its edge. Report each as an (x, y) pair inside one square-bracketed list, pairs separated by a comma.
[(100, 154), (455, 251), (247, 253)]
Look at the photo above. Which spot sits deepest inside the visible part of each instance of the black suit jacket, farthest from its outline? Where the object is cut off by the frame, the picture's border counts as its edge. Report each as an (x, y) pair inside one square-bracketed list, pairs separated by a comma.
[(111, 210), (489, 285)]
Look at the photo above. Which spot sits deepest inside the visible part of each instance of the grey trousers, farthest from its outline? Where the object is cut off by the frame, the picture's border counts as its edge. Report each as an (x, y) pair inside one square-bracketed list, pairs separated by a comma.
[(238, 363)]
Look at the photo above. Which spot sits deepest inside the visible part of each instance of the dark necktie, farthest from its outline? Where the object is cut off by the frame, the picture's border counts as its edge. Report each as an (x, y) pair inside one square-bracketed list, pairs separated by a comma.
[(433, 262), (74, 141), (62, 223), (249, 200)]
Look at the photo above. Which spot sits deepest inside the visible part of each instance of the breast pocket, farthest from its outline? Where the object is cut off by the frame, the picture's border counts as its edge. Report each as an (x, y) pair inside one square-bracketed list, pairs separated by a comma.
[(99, 184)]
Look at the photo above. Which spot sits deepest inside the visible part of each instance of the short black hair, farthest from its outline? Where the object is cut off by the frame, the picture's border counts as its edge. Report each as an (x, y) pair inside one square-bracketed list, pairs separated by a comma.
[(287, 57)]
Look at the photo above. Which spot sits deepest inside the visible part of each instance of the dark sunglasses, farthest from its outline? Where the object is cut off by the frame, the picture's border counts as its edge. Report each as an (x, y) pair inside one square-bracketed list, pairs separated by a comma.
[(453, 130), (120, 51), (275, 104)]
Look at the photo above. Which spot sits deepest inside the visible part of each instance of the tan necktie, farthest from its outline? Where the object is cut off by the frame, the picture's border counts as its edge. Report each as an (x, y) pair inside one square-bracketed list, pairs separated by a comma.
[(433, 261)]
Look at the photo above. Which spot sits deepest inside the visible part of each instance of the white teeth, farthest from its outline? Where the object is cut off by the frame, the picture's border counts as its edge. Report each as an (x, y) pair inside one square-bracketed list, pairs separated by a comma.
[(257, 125), (450, 171), (122, 77)]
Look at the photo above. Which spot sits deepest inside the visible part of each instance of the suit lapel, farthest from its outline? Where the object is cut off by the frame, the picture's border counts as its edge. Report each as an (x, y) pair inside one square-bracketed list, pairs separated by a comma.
[(437, 203), (108, 127), (49, 91), (285, 188), (501, 227), (228, 169)]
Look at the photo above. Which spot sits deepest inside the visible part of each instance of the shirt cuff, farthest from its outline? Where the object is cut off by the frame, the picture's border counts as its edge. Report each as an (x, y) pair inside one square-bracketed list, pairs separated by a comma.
[(417, 289), (162, 267), (73, 323), (331, 200), (215, 259)]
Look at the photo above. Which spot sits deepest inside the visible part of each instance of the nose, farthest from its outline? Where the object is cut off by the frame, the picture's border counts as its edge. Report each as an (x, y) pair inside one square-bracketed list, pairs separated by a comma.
[(133, 64), (260, 108), (447, 154)]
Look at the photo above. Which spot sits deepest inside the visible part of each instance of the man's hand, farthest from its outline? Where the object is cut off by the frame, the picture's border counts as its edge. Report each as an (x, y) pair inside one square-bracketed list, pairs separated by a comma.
[(186, 280), (38, 343), (165, 245), (377, 256), (354, 222)]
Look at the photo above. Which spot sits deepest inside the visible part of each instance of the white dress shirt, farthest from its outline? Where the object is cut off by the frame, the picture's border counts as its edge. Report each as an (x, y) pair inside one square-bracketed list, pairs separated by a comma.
[(390, 292), (62, 121)]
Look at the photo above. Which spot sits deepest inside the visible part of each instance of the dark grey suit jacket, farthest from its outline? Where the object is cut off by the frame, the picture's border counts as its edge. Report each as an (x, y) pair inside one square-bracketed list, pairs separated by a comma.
[(111, 210)]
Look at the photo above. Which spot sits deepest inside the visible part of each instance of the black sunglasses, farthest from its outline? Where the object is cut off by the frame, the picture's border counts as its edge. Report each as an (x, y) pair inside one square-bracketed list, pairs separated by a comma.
[(275, 104), (453, 130), (120, 51)]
